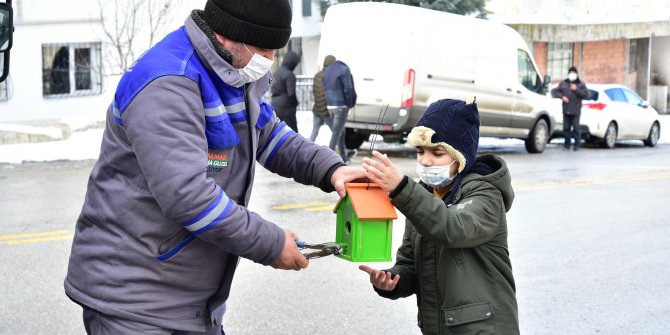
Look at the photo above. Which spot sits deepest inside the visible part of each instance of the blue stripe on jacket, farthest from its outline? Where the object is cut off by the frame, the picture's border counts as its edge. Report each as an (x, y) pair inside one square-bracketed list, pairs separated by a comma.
[(211, 216)]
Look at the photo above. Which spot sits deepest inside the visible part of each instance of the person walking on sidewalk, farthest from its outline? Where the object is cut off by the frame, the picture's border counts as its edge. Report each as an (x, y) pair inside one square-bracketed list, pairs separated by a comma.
[(571, 91), (284, 98), (338, 84), (320, 108), (165, 218)]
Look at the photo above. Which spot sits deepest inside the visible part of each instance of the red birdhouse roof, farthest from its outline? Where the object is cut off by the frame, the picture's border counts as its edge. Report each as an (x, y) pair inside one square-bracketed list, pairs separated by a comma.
[(370, 202)]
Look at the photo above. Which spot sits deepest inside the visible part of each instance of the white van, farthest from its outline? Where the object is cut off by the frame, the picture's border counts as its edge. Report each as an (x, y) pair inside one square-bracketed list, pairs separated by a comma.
[(408, 57)]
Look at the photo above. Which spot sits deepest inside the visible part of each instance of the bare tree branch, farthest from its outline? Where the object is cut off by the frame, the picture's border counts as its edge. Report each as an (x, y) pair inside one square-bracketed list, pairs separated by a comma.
[(125, 22)]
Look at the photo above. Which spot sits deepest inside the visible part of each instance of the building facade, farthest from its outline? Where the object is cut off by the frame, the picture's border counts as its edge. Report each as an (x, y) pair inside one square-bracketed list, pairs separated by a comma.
[(624, 42), (62, 65)]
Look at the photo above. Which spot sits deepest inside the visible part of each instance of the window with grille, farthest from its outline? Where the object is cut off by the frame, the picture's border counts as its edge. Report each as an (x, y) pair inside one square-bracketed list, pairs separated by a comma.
[(559, 60), (73, 69)]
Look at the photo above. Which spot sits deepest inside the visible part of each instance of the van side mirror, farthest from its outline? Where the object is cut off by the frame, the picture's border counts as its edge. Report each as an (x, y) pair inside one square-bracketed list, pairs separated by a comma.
[(644, 104), (545, 84), (6, 30)]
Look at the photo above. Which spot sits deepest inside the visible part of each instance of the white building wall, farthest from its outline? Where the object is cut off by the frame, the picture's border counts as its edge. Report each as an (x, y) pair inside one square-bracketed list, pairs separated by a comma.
[(38, 22), (25, 79)]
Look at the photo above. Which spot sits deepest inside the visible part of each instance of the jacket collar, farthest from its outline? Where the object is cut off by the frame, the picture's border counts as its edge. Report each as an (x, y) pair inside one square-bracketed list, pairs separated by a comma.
[(214, 62)]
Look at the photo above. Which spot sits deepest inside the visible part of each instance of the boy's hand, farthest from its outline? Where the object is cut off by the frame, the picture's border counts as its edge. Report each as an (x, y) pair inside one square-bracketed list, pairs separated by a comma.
[(380, 279), (383, 172)]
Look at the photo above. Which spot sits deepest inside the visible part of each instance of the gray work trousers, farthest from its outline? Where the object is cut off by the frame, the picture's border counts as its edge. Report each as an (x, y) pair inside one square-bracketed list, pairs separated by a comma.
[(97, 323)]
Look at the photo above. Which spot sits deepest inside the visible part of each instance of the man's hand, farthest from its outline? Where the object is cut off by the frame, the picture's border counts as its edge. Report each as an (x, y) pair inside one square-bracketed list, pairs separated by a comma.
[(290, 258), (380, 279), (383, 172), (573, 87), (565, 99), (345, 174)]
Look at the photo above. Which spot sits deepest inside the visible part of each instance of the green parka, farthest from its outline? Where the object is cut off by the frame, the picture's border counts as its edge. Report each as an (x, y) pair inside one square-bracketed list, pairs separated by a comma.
[(455, 258)]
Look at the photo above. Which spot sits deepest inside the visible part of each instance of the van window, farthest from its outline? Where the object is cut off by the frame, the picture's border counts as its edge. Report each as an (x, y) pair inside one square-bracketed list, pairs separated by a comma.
[(528, 76)]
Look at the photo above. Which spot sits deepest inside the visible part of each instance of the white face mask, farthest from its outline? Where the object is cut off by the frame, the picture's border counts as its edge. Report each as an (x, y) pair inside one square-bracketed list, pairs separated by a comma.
[(435, 176), (572, 76), (258, 66)]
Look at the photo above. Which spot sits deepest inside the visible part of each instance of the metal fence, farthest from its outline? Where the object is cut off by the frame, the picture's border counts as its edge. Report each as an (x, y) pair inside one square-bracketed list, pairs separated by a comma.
[(303, 88)]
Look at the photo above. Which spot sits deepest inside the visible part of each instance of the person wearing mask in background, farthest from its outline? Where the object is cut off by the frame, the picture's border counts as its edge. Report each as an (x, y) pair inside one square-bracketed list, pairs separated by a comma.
[(454, 253), (165, 218), (571, 91), (320, 108), (284, 98), (338, 84)]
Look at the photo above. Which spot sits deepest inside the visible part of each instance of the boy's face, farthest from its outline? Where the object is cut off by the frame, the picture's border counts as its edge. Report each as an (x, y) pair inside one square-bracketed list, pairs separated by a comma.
[(436, 156)]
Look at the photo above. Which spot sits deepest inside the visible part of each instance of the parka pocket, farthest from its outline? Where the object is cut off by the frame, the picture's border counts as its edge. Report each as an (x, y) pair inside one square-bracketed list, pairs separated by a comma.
[(471, 318), (173, 244)]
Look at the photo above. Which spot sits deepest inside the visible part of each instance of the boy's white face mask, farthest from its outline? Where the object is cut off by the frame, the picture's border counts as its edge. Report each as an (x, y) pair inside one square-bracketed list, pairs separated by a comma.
[(435, 176), (572, 76), (257, 67)]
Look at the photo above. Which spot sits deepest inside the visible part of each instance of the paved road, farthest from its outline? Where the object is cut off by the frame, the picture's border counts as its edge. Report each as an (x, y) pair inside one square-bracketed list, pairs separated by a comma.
[(588, 242)]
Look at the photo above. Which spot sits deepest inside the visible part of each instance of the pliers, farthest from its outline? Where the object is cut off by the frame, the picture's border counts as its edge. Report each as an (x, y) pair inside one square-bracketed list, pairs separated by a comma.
[(324, 249)]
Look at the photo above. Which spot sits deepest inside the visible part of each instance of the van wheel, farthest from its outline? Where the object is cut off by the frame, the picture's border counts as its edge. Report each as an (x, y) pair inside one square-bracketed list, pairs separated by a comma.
[(654, 134), (610, 136), (537, 140), (353, 140)]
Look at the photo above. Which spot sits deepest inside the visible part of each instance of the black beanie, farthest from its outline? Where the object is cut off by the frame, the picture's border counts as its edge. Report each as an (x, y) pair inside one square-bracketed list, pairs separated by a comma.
[(572, 69), (453, 124), (261, 23)]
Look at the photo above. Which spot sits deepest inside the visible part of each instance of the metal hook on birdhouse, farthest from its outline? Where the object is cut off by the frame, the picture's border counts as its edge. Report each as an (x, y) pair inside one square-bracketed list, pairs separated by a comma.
[(324, 249)]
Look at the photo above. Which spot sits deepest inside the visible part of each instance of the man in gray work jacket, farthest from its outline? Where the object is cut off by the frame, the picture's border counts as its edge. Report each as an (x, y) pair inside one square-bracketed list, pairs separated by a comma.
[(165, 218)]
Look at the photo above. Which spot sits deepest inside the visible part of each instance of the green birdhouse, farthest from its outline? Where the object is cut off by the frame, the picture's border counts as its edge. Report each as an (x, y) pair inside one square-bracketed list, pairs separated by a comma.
[(365, 223)]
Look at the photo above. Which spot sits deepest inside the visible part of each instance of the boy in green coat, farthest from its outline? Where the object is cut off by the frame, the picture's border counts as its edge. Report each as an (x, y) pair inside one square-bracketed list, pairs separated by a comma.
[(454, 254)]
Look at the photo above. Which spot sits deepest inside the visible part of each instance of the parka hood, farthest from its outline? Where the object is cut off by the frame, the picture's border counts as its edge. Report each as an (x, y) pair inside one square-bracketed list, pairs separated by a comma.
[(291, 60), (493, 170)]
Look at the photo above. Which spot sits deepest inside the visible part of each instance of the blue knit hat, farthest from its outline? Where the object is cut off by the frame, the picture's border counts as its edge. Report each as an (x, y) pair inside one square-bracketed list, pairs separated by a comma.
[(453, 124)]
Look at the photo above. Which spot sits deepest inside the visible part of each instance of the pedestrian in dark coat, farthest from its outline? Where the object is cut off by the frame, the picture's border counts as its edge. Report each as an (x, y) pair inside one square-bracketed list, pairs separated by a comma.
[(454, 253), (284, 98), (338, 84), (320, 108), (572, 91)]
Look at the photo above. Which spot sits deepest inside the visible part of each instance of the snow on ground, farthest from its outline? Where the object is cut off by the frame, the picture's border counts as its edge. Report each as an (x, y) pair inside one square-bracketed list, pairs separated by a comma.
[(84, 143)]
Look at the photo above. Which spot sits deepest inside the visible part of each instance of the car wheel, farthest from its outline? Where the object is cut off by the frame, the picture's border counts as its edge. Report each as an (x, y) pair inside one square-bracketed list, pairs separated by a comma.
[(654, 134), (610, 136), (537, 140)]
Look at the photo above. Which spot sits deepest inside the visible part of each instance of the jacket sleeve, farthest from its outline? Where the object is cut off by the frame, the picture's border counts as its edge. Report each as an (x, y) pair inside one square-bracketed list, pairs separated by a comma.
[(285, 152), (582, 91), (557, 92), (165, 126), (474, 220), (405, 267), (290, 89), (348, 87)]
